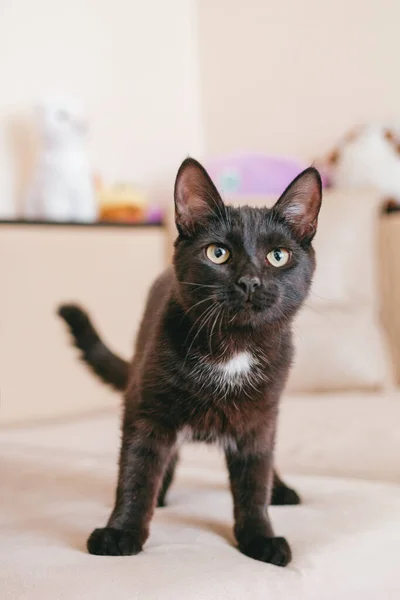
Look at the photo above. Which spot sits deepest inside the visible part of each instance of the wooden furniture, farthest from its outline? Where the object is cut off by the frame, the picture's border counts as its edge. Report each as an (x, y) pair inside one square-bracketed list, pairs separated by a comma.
[(389, 263), (106, 268)]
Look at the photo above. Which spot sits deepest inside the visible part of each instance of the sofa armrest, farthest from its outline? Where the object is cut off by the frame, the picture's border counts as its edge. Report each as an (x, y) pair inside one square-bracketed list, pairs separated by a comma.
[(389, 271)]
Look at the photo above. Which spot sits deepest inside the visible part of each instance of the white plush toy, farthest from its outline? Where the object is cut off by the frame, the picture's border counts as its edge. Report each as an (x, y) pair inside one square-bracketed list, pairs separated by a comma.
[(62, 189), (368, 157)]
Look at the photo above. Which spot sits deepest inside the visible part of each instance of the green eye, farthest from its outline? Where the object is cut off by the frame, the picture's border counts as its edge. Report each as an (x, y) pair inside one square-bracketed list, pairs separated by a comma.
[(278, 257), (217, 254)]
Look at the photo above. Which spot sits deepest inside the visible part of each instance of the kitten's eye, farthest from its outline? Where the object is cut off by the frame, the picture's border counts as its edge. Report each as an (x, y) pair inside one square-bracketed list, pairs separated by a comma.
[(278, 257), (217, 254)]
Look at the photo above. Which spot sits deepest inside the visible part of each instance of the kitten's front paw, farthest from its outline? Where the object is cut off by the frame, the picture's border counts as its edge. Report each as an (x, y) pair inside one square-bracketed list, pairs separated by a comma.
[(274, 550), (113, 542), (283, 495)]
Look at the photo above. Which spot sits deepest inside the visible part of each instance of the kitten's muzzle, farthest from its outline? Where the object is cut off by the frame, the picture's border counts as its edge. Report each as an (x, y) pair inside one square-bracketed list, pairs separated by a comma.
[(248, 285)]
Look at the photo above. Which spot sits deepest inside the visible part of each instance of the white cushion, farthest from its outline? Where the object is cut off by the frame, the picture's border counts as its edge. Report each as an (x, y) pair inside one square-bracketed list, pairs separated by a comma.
[(337, 350), (346, 246), (338, 335), (345, 537)]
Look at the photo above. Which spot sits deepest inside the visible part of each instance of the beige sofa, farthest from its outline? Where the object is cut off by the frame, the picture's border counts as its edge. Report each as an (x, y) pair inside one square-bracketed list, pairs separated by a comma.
[(59, 443), (58, 483)]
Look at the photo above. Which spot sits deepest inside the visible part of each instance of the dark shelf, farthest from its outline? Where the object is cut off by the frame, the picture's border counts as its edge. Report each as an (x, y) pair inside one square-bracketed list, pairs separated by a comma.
[(73, 224)]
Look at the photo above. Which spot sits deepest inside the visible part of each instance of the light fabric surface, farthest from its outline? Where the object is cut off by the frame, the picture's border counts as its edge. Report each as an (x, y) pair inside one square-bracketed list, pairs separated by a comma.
[(342, 435), (58, 483), (389, 270), (346, 246), (338, 349)]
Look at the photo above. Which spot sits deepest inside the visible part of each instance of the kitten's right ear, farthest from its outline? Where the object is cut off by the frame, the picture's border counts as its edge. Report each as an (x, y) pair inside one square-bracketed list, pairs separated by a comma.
[(196, 198)]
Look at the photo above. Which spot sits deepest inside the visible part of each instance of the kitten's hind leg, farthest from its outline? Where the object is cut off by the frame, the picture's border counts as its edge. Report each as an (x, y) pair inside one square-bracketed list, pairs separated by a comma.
[(167, 480), (282, 494)]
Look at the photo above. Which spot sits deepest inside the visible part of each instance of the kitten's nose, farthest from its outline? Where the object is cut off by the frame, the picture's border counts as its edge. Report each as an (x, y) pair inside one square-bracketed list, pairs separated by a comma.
[(248, 284)]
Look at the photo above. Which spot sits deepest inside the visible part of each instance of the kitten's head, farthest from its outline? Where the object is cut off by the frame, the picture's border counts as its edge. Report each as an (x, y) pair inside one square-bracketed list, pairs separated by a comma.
[(61, 121), (250, 266)]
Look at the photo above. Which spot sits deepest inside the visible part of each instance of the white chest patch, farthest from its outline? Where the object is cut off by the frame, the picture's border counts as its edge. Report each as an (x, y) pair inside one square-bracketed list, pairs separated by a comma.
[(227, 375), (235, 372), (237, 367)]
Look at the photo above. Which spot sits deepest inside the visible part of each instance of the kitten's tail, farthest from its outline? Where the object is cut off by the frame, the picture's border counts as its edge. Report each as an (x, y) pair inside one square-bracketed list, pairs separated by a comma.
[(109, 367)]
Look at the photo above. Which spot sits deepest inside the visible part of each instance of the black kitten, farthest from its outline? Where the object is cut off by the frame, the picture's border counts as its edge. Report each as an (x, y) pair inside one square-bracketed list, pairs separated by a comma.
[(211, 358)]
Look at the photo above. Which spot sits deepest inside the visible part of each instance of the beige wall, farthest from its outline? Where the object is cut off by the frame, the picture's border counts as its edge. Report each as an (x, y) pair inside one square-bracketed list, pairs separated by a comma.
[(289, 77), (280, 77), (134, 64)]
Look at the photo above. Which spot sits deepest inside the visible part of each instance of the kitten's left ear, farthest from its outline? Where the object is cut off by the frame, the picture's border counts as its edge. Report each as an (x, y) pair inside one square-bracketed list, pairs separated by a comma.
[(300, 203), (196, 198)]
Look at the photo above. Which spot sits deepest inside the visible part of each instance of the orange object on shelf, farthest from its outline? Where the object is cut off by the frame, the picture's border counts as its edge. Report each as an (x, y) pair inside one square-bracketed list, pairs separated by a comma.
[(122, 203), (125, 213)]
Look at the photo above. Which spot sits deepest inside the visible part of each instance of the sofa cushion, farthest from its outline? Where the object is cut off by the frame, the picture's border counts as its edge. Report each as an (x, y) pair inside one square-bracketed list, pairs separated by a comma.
[(351, 434), (339, 337), (344, 538)]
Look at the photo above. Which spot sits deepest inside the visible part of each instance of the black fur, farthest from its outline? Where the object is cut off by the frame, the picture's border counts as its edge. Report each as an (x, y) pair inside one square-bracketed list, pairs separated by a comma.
[(104, 363), (200, 315)]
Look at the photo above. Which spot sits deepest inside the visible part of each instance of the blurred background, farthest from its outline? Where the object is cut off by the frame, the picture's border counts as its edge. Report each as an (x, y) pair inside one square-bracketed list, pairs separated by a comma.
[(160, 80), (100, 102)]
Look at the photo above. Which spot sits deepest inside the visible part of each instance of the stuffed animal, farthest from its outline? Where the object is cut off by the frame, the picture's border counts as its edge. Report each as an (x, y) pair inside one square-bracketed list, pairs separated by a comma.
[(62, 188), (253, 174), (368, 157)]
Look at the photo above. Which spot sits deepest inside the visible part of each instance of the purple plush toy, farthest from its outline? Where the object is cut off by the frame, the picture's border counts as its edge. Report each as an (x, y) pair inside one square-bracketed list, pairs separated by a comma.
[(253, 174)]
